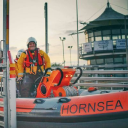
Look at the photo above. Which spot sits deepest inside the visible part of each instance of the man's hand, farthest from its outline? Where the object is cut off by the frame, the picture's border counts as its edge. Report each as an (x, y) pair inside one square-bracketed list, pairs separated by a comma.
[(19, 78)]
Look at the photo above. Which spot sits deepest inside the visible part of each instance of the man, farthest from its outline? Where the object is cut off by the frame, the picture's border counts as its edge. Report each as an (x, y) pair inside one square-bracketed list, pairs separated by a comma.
[(16, 70), (34, 61), (16, 60)]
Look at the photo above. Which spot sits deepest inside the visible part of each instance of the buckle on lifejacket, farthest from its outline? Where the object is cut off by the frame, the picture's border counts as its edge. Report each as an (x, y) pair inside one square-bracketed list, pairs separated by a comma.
[(31, 69), (34, 61)]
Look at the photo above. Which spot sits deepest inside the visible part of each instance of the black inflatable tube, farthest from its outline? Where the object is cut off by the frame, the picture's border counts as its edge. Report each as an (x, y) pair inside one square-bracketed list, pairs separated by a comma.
[(121, 123), (70, 119)]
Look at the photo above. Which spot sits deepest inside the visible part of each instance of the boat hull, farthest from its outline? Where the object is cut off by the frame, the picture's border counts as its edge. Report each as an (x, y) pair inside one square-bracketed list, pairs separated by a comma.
[(120, 123), (92, 111)]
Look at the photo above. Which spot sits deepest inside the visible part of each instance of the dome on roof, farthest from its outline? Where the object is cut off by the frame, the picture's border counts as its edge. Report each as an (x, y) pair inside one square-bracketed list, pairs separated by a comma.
[(108, 17), (109, 14)]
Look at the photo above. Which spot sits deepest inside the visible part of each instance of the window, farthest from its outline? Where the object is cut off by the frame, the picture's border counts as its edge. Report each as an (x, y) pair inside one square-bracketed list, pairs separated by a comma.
[(124, 60), (106, 37), (91, 39), (98, 33), (116, 31), (123, 36), (109, 61), (98, 38), (118, 60), (90, 34), (100, 61), (119, 36), (93, 62), (116, 37), (106, 32), (123, 31)]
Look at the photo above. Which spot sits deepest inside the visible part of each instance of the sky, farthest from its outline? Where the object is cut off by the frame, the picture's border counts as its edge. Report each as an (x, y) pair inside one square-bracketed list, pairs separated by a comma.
[(27, 19)]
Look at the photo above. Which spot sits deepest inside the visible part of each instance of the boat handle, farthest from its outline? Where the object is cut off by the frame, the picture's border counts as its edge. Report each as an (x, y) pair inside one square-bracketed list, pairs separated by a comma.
[(104, 92), (81, 72), (61, 72), (47, 71), (64, 100), (39, 101)]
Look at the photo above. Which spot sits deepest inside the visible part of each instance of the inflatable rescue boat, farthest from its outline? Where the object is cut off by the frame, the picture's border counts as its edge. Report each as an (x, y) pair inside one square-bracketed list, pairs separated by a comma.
[(59, 104)]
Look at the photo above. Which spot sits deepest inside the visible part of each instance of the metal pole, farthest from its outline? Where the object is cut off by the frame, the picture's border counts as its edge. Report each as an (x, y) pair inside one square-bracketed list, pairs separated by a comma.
[(11, 92), (77, 34), (46, 27), (7, 69), (62, 39), (5, 96), (126, 39), (70, 56), (63, 52), (70, 47), (77, 38)]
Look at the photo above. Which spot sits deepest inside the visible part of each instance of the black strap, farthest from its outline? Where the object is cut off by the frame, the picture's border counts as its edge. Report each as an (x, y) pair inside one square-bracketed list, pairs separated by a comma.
[(30, 59), (38, 66), (36, 57)]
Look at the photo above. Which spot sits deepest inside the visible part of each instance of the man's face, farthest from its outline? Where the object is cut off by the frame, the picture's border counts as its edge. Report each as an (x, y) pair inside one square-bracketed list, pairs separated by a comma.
[(32, 46)]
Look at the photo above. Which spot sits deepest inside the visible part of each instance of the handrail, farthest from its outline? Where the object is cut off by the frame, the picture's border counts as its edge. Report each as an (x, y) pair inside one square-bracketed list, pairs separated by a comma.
[(95, 80), (105, 72), (98, 66), (91, 81), (101, 85), (103, 78), (80, 74)]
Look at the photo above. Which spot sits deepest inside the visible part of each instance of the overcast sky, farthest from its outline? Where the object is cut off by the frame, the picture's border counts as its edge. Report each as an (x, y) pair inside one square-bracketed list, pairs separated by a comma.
[(27, 19)]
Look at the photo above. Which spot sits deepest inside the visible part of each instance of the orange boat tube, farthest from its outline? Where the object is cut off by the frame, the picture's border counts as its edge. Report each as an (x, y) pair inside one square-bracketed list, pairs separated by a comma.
[(101, 111)]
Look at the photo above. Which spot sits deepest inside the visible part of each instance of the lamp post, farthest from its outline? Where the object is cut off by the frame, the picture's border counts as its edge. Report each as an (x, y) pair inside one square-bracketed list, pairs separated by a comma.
[(77, 34), (70, 47), (62, 39), (46, 27)]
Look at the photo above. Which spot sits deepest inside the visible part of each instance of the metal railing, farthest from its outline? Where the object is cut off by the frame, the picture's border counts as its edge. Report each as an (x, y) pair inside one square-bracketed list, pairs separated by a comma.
[(102, 81), (98, 78), (9, 107), (95, 80)]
